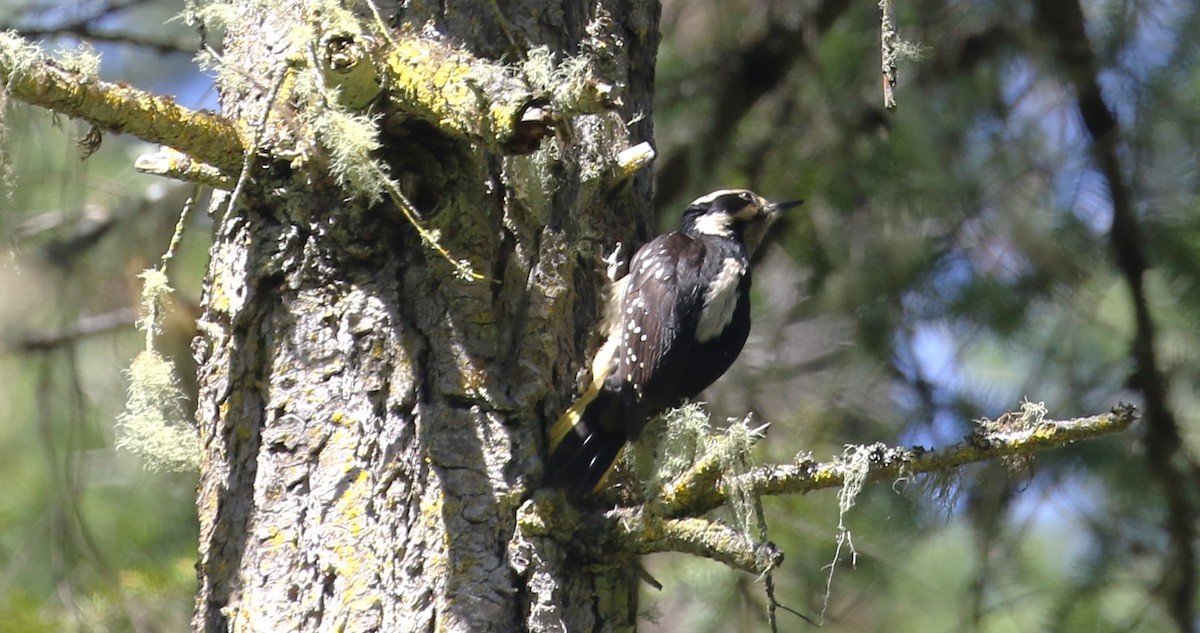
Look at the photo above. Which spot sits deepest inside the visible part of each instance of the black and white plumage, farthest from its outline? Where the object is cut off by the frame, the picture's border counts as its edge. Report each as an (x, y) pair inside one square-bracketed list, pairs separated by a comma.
[(675, 323)]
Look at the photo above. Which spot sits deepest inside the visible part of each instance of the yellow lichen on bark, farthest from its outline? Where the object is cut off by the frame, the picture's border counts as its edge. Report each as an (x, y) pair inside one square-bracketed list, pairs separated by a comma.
[(348, 553), (470, 97)]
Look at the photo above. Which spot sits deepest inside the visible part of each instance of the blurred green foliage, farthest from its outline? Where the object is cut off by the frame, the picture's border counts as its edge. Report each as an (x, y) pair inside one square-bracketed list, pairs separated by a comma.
[(952, 258), (89, 540)]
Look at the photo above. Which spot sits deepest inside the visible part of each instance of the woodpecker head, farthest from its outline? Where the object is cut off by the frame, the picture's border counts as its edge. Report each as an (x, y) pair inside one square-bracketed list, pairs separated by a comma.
[(734, 213)]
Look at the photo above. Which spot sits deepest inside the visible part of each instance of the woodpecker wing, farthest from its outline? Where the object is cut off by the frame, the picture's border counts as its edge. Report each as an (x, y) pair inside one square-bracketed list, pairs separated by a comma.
[(663, 289), (646, 321)]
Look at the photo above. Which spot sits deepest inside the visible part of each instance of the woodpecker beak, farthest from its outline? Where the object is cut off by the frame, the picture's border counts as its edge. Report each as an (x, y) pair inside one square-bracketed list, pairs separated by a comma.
[(777, 207)]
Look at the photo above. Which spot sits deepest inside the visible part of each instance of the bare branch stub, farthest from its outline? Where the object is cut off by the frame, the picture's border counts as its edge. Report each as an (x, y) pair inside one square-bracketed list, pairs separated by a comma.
[(887, 46)]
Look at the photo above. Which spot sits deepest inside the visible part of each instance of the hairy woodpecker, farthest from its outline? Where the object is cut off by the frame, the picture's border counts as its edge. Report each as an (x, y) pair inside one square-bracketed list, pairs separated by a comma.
[(674, 324)]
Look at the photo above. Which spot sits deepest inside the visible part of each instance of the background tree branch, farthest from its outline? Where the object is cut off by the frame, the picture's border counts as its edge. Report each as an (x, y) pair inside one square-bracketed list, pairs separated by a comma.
[(1167, 455)]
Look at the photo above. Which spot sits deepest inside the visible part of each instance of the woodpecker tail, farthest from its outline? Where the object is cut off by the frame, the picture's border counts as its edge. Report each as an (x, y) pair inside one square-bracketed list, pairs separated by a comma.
[(585, 442)]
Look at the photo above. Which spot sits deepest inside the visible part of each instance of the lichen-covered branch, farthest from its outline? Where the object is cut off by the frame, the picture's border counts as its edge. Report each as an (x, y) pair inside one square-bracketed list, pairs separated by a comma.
[(669, 524), (32, 77), (682, 491), (645, 533), (636, 532), (469, 97), (989, 442)]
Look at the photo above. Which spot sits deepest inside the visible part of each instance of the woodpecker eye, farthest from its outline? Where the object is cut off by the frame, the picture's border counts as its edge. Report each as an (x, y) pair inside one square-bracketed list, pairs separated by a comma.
[(747, 196)]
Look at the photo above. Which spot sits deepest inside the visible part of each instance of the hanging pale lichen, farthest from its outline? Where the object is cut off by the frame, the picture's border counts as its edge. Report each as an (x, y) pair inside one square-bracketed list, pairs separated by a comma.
[(153, 425)]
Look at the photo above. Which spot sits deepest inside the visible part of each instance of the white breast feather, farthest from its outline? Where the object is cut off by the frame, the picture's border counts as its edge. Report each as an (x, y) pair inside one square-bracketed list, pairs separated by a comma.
[(720, 300)]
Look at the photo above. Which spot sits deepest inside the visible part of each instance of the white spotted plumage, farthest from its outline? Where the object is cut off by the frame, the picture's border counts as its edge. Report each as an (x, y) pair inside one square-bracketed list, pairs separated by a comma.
[(674, 324)]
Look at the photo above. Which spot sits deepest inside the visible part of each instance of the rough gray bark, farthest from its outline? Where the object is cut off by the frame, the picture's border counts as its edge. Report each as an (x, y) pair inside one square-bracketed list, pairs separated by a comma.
[(371, 422)]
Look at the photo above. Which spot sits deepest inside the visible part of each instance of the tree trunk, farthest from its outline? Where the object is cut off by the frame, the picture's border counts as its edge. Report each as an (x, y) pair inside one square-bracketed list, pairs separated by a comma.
[(372, 421)]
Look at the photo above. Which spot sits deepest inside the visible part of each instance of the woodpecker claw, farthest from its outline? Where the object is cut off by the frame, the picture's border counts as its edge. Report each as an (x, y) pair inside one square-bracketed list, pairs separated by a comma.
[(614, 263)]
